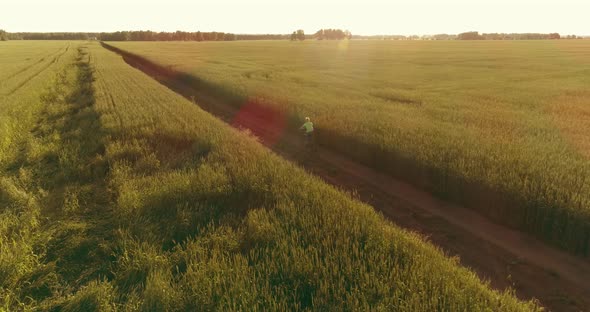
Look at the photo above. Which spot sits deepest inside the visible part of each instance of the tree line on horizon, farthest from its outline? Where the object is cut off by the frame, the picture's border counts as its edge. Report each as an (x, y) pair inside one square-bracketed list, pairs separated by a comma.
[(322, 34), (140, 36), (473, 35), (166, 36)]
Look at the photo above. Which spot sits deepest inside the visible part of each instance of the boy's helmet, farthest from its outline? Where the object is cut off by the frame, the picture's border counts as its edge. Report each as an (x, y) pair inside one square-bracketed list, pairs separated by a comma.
[(307, 119)]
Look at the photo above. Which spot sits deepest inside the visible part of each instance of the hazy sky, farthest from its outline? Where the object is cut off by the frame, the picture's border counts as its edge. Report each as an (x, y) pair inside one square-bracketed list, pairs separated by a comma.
[(283, 16)]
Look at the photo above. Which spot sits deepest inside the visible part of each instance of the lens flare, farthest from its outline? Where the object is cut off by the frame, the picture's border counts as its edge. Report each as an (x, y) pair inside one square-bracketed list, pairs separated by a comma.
[(264, 121)]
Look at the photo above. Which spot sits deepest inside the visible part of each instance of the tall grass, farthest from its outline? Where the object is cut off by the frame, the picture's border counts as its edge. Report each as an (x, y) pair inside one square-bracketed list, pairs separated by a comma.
[(27, 73), (126, 197), (487, 124), (212, 221)]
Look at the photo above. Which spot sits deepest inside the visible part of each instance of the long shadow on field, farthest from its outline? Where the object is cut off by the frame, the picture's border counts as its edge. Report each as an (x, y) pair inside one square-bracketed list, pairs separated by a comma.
[(268, 123), (208, 95), (72, 171)]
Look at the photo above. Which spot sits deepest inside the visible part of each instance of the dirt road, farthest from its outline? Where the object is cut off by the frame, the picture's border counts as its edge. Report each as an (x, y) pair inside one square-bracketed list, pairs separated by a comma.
[(505, 257)]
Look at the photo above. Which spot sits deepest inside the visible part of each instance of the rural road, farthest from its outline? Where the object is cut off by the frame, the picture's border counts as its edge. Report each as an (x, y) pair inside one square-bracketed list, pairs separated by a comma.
[(505, 257)]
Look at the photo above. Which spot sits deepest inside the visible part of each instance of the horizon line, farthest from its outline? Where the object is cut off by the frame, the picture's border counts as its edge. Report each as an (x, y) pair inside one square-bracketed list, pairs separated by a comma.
[(269, 33)]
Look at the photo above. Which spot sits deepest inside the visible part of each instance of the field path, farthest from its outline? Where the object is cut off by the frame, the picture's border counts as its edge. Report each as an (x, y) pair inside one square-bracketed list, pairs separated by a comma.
[(505, 257)]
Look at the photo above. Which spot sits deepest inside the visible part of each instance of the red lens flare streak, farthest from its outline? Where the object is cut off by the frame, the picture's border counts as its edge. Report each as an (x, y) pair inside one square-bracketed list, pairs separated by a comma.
[(265, 122)]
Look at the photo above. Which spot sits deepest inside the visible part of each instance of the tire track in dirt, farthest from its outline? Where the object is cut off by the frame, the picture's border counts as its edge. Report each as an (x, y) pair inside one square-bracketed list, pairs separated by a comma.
[(24, 69), (37, 73), (33, 64), (505, 257)]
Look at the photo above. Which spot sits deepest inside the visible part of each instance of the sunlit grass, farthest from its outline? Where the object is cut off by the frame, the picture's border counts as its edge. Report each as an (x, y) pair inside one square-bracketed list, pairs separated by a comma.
[(496, 126), (123, 196), (235, 227)]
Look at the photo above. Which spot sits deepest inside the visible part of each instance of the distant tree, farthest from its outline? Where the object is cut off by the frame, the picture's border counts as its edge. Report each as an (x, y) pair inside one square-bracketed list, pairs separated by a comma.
[(471, 35), (142, 36), (229, 37), (179, 36), (300, 35), (381, 37), (512, 36), (13, 36), (124, 35), (332, 34), (164, 36), (266, 37), (494, 36), (294, 36), (3, 35), (319, 35), (444, 37), (199, 36), (573, 37), (116, 36)]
